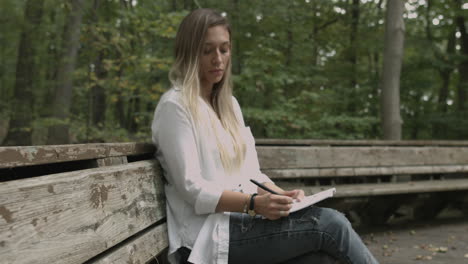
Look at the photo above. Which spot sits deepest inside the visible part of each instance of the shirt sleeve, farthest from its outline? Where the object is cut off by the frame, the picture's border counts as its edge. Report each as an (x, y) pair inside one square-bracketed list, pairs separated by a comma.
[(174, 137), (251, 157)]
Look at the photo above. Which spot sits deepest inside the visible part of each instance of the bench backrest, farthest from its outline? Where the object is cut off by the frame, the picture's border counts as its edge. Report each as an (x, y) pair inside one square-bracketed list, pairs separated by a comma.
[(297, 159), (96, 203)]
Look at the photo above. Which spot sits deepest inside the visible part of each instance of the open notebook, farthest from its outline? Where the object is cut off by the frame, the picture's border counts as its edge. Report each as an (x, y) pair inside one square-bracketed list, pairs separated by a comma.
[(312, 199)]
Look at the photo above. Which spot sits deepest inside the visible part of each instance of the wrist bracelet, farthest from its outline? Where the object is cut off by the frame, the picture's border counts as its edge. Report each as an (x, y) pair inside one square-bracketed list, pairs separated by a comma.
[(252, 205), (246, 205)]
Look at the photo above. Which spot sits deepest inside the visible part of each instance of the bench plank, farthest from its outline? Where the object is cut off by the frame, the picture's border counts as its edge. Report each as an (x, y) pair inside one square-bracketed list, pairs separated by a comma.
[(336, 157), (362, 171), (356, 190), (333, 142), (35, 155), (139, 250), (71, 217)]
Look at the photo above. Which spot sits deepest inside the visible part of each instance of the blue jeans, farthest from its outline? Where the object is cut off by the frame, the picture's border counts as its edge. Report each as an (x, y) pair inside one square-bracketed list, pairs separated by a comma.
[(311, 235)]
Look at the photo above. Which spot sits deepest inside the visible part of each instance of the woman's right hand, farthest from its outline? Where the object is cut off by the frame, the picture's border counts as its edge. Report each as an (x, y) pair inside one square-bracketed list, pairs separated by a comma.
[(272, 206)]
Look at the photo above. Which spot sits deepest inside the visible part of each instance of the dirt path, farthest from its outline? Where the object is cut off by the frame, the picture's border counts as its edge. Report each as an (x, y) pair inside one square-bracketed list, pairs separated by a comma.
[(439, 241)]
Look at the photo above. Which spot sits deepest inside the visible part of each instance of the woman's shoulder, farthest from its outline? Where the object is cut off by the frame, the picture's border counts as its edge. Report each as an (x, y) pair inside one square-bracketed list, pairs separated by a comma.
[(237, 110), (170, 103), (235, 103), (172, 95), (236, 106)]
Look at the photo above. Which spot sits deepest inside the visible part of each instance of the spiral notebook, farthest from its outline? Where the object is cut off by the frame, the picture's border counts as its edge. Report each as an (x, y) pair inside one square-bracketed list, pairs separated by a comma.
[(312, 199)]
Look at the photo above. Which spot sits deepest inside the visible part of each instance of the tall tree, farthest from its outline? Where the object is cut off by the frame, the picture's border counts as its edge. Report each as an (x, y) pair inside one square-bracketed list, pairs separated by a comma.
[(444, 66), (463, 66), (352, 54), (20, 129), (19, 132), (98, 95), (58, 133), (392, 61)]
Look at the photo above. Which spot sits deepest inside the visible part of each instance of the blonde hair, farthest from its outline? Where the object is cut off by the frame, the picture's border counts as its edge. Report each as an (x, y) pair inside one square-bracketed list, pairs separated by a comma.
[(184, 74)]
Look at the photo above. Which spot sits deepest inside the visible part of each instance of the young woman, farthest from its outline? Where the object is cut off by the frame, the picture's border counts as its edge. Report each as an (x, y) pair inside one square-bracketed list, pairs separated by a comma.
[(214, 213)]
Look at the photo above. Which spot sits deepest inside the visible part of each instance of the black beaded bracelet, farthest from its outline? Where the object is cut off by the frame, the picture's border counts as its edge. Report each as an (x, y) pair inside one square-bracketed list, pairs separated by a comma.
[(252, 204)]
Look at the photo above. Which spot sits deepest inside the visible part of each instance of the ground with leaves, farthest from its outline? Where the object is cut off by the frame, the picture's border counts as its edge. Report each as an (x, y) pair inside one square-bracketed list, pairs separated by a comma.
[(437, 241)]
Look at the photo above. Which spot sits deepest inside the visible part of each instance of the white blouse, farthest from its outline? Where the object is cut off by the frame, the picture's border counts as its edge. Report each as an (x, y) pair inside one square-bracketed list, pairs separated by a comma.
[(196, 178)]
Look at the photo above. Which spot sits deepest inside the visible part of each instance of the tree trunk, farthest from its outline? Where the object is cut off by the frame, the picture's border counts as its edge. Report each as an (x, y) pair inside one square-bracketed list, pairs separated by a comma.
[(463, 66), (445, 73), (120, 110), (390, 82), (98, 101), (98, 95), (353, 55), (58, 133), (132, 110), (19, 132)]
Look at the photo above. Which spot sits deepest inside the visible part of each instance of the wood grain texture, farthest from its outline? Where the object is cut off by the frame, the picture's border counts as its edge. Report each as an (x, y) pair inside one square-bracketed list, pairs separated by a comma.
[(348, 157), (35, 155), (362, 171), (356, 190), (73, 216), (139, 250)]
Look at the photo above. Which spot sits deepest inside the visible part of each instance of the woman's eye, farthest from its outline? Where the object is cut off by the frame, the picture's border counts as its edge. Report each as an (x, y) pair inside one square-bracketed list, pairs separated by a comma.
[(223, 51)]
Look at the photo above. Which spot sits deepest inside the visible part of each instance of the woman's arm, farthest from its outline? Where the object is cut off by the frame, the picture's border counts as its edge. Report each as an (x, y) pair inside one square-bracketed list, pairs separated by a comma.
[(174, 138), (269, 205)]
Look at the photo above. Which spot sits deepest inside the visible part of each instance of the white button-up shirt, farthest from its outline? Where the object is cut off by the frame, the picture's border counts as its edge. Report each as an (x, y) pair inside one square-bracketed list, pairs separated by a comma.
[(196, 178)]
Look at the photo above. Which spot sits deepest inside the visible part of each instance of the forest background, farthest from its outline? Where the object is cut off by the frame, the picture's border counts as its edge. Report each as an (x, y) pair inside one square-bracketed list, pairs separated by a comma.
[(82, 71)]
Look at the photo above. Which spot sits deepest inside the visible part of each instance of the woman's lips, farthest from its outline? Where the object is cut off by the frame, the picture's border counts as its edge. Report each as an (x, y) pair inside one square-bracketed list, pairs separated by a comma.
[(216, 72)]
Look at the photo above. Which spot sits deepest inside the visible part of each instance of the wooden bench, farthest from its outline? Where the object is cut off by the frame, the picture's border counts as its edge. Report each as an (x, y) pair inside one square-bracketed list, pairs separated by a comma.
[(92, 203), (104, 203), (373, 178)]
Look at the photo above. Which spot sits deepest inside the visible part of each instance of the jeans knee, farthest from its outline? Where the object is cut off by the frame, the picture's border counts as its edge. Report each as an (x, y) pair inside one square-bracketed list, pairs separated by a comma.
[(335, 220)]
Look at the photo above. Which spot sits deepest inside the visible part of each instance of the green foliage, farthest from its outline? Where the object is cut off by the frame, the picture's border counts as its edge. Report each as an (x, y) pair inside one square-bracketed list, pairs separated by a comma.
[(297, 71)]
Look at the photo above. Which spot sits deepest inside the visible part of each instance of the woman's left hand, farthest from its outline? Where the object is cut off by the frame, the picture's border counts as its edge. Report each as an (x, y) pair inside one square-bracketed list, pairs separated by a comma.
[(296, 194)]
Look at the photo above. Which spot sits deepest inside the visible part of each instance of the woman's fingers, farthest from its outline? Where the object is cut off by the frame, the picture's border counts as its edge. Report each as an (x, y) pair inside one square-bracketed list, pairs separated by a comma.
[(297, 194), (273, 206), (280, 207), (281, 199)]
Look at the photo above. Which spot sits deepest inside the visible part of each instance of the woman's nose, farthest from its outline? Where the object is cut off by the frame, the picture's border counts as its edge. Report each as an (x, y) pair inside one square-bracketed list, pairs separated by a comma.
[(217, 57)]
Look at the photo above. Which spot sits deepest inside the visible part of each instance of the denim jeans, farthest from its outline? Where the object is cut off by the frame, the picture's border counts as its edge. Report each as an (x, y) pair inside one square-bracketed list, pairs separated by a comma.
[(311, 235)]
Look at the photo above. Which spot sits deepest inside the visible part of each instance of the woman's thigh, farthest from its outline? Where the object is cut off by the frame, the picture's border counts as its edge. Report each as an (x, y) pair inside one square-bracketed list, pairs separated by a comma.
[(258, 240)]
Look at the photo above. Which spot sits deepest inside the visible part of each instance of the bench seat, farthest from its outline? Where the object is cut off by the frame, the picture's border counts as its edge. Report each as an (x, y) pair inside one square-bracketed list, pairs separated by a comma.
[(376, 189)]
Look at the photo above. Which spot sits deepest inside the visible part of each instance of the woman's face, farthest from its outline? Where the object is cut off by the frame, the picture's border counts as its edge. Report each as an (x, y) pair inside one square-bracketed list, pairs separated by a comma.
[(215, 56)]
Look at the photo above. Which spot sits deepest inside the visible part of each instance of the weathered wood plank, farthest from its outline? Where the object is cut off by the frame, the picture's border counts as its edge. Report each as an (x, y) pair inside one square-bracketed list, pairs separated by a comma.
[(356, 190), (34, 155), (73, 216), (110, 161), (336, 157), (139, 250), (321, 142), (362, 171)]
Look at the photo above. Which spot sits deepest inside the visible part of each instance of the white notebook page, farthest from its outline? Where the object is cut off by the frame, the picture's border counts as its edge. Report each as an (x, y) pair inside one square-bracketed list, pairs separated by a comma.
[(312, 199)]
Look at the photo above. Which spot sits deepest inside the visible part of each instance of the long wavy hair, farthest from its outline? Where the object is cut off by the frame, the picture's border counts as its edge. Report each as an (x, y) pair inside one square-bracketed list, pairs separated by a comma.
[(185, 75)]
